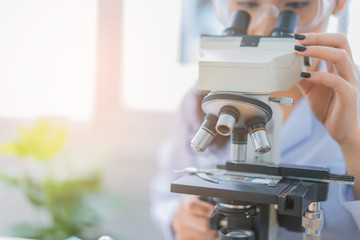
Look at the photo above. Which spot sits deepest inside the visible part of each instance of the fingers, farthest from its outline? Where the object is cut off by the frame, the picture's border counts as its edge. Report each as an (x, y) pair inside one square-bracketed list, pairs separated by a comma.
[(193, 235), (305, 86), (334, 40), (333, 81), (334, 48), (191, 221), (343, 63), (187, 226), (200, 224), (329, 66), (195, 206)]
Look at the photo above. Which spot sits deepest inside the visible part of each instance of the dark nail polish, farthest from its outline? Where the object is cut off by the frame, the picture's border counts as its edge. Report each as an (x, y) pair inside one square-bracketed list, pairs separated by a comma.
[(305, 75), (300, 48), (300, 36)]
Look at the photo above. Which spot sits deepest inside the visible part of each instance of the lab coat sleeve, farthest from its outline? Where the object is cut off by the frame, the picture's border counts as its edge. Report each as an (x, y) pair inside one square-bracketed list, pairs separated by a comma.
[(347, 198), (175, 153)]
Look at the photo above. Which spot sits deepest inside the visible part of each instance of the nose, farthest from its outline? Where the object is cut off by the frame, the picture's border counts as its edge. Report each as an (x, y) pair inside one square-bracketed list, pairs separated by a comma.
[(263, 27)]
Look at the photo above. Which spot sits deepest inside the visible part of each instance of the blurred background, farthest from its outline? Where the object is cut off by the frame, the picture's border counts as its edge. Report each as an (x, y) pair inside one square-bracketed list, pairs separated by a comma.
[(88, 92)]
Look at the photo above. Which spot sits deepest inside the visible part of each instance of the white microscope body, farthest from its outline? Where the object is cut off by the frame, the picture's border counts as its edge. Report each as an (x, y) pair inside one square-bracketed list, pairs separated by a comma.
[(265, 65), (241, 72), (252, 66)]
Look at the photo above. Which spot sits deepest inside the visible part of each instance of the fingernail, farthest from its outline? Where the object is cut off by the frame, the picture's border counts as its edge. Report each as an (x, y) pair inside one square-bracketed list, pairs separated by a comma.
[(300, 36), (305, 75), (300, 48)]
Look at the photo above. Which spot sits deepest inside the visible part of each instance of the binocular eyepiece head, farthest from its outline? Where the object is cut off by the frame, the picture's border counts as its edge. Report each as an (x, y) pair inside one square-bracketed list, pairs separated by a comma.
[(286, 24)]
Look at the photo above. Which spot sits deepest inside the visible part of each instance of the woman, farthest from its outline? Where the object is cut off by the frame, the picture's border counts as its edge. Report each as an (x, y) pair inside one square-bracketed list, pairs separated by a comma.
[(322, 129)]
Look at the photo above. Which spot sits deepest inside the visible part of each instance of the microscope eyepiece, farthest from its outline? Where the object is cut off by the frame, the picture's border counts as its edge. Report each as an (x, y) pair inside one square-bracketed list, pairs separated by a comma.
[(239, 24), (286, 24)]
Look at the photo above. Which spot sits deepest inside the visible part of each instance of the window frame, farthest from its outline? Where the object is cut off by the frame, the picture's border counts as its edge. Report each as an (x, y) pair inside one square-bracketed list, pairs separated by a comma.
[(110, 111)]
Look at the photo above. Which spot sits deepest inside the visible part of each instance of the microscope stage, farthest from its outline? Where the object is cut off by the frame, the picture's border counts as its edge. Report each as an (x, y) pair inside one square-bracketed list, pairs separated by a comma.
[(292, 196)]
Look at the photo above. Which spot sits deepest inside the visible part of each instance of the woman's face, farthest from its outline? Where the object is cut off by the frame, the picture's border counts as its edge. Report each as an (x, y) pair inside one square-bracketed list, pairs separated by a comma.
[(313, 14)]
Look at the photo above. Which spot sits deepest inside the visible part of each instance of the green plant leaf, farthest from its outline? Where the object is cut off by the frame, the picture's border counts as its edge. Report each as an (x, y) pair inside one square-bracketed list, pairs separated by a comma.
[(42, 141)]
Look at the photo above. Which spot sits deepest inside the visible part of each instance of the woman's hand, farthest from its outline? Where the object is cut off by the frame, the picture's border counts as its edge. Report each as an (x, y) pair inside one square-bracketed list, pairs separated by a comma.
[(333, 95), (192, 220)]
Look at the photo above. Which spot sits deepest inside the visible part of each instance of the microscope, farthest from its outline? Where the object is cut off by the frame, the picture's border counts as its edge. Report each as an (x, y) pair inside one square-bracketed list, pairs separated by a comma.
[(252, 197)]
